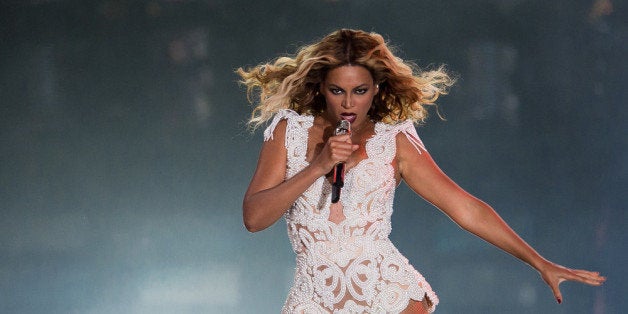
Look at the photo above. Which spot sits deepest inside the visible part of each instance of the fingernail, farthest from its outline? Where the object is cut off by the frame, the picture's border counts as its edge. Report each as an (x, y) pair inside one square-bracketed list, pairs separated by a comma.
[(559, 300)]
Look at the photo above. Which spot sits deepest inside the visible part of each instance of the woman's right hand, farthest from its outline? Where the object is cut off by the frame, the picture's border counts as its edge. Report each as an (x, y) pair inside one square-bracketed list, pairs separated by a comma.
[(270, 194), (337, 149)]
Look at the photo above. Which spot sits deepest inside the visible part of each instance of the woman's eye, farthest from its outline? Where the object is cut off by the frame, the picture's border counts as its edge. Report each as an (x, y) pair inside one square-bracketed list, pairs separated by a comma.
[(336, 91), (361, 91)]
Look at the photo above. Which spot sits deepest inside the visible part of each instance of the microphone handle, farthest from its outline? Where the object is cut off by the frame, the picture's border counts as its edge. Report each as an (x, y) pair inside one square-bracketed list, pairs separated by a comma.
[(338, 182)]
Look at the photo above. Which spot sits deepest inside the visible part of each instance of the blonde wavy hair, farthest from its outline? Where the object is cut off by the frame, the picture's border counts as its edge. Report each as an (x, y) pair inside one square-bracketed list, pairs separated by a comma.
[(293, 82)]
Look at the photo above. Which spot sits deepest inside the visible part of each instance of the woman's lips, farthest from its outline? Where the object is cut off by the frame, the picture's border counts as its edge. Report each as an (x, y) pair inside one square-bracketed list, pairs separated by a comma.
[(348, 116)]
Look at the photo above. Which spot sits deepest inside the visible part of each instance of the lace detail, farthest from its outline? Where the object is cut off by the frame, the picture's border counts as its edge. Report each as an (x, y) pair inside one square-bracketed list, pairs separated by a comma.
[(351, 266)]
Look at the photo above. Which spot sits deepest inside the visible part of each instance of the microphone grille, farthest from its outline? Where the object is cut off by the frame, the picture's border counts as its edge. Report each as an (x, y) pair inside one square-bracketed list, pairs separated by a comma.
[(343, 127)]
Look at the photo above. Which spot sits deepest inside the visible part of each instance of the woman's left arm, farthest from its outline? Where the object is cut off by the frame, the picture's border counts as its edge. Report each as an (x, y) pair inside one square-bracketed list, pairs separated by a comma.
[(425, 178)]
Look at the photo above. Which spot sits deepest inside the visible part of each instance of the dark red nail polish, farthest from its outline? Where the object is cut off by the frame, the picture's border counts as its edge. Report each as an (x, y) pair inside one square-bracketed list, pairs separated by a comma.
[(559, 300)]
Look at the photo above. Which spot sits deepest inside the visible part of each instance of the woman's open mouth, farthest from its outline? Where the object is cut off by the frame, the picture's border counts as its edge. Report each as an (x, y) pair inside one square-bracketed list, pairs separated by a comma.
[(349, 117)]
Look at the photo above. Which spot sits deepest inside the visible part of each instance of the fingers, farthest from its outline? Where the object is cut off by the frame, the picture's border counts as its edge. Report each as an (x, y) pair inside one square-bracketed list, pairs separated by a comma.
[(557, 274), (343, 143), (341, 147), (556, 290), (337, 149), (589, 277), (341, 138)]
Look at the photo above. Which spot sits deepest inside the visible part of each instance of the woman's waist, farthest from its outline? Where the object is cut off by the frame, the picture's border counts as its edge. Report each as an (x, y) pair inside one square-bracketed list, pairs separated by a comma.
[(343, 252)]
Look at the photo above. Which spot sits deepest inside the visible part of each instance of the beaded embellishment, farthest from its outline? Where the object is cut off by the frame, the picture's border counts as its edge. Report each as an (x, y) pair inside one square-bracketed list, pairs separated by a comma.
[(350, 266)]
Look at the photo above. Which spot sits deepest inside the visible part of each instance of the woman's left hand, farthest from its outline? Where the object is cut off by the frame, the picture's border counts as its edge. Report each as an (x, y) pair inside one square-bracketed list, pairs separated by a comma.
[(554, 275)]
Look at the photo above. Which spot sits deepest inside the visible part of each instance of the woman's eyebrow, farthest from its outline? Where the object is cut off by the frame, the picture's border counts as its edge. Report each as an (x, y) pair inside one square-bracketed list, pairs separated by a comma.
[(338, 87)]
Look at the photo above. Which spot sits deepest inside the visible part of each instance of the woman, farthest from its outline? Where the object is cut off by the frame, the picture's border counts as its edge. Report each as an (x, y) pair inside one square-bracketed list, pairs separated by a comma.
[(345, 261)]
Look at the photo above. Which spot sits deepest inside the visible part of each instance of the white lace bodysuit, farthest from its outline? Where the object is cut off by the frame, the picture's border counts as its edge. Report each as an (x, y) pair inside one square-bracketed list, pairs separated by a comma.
[(352, 266)]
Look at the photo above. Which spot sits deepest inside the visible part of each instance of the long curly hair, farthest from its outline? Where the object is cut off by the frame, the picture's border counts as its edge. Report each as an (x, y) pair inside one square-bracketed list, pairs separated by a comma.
[(293, 82)]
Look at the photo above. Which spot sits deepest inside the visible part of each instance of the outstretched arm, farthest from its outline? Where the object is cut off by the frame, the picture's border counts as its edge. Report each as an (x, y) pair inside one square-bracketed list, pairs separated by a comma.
[(424, 177)]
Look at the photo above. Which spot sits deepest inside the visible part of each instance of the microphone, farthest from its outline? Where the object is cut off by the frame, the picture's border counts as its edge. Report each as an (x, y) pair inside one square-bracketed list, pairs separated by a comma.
[(343, 127)]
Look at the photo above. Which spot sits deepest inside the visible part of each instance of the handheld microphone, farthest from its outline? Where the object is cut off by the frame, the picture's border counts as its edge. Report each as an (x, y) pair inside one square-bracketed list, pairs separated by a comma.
[(343, 127)]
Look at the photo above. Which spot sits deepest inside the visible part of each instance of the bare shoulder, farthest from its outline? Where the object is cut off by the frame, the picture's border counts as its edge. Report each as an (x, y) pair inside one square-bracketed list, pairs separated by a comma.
[(408, 153), (416, 166), (271, 164), (425, 178), (279, 134), (274, 149)]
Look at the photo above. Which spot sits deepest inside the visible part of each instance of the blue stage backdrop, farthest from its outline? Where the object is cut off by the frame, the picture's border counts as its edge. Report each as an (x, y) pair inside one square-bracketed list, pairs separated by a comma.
[(124, 153)]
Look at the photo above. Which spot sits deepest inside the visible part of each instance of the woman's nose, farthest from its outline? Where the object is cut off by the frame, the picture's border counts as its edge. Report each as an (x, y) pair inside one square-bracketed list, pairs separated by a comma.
[(346, 102)]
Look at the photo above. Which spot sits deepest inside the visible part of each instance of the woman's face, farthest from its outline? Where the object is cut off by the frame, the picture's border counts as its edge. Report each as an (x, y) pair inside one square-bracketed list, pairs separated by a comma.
[(348, 92)]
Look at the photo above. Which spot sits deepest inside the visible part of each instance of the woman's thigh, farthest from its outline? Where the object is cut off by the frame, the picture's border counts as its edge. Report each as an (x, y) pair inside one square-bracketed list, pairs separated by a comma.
[(417, 307)]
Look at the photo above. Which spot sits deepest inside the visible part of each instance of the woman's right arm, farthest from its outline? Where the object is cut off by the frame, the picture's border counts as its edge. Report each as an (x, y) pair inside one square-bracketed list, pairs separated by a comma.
[(269, 195)]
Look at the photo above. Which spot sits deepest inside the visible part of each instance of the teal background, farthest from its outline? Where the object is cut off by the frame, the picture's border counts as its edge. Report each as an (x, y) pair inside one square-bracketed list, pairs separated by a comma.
[(124, 152)]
